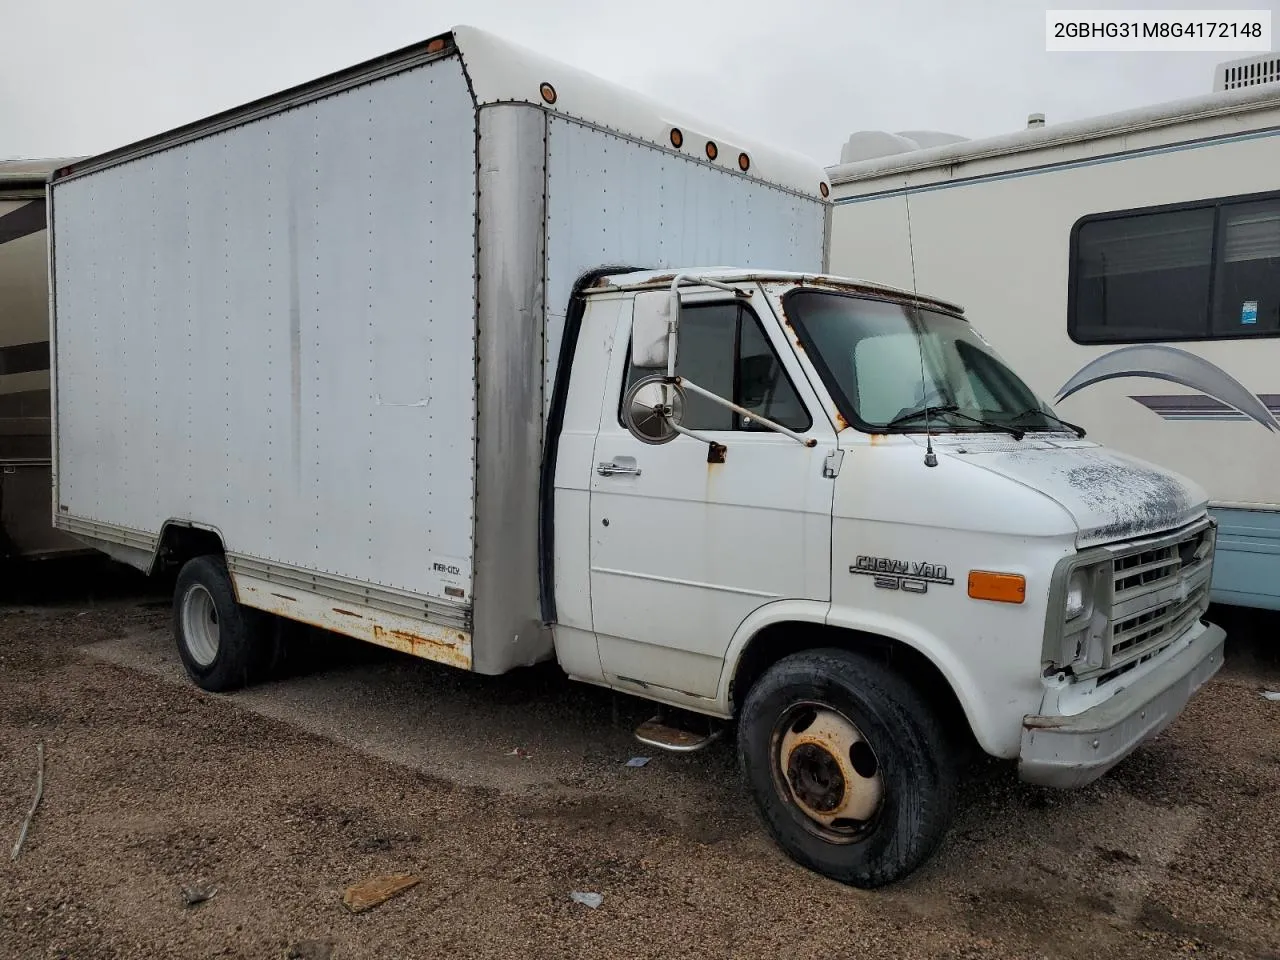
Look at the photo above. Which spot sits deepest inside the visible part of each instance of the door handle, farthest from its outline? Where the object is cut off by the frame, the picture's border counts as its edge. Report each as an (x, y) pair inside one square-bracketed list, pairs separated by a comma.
[(618, 467)]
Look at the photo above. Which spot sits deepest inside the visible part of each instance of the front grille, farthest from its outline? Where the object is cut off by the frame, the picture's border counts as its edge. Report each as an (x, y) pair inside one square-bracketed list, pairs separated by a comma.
[(1138, 633), (1145, 568), (1160, 588)]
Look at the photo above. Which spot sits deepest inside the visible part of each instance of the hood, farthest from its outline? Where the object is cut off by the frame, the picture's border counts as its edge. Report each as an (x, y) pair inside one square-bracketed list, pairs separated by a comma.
[(1109, 495)]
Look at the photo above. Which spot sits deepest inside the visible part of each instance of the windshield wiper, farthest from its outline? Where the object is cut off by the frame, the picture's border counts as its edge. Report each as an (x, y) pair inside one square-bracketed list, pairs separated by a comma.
[(1074, 428), (954, 410), (910, 415)]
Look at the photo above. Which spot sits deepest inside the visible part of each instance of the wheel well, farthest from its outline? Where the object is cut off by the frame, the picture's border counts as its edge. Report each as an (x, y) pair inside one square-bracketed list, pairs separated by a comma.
[(180, 542), (779, 640)]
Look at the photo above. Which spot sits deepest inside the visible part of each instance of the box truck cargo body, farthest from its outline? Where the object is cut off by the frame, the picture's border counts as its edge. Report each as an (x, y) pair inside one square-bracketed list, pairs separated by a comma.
[(330, 330), (436, 353)]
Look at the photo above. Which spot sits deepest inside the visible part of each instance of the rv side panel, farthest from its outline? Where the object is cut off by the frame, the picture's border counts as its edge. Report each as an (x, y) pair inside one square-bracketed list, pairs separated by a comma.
[(26, 528)]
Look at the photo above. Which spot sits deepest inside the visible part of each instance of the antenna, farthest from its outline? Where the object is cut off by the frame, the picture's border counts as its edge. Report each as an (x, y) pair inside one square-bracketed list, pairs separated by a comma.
[(930, 458)]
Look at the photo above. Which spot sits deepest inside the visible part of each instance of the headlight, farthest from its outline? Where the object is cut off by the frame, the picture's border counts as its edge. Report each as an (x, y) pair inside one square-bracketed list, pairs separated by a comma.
[(1078, 614), (1077, 594)]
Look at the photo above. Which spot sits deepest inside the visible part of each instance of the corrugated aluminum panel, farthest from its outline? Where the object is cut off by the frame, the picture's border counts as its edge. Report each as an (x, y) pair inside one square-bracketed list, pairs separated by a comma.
[(272, 329), (614, 201)]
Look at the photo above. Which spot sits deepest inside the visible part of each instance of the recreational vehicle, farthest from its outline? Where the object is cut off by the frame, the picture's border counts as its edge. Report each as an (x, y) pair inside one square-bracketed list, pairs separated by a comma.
[(26, 528), (1127, 265), (430, 352)]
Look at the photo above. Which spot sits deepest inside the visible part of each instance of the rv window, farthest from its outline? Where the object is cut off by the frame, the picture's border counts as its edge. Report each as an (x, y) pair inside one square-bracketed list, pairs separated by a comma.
[(1208, 270), (723, 349), (1144, 277), (1247, 285)]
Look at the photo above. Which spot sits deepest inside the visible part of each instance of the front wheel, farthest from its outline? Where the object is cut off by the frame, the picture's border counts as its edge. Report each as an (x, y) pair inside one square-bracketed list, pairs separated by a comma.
[(849, 768)]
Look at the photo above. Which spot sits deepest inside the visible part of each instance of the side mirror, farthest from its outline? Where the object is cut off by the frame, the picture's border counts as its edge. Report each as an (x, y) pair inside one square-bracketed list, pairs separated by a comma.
[(652, 410), (651, 329)]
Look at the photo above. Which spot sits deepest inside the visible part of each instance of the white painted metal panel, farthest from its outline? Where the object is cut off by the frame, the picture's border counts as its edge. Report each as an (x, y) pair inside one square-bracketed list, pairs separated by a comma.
[(506, 72), (271, 330), (613, 201)]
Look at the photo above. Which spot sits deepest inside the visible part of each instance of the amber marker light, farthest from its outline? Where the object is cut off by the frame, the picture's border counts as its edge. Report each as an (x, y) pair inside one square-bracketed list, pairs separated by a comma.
[(1000, 587)]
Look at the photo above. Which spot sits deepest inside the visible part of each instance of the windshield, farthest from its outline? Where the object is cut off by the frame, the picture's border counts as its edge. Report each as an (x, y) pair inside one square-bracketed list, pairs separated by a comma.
[(885, 361)]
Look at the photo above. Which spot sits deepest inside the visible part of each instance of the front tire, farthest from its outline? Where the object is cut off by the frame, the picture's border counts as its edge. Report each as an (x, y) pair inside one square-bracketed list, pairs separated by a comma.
[(850, 769), (221, 644)]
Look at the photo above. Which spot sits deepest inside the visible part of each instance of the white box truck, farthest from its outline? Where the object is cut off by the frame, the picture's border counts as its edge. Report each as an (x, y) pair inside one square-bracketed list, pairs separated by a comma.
[(431, 353), (1128, 265)]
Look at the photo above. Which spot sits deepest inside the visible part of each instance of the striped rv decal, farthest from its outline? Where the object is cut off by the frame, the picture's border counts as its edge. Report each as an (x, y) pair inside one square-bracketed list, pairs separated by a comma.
[(1197, 406), (1221, 396)]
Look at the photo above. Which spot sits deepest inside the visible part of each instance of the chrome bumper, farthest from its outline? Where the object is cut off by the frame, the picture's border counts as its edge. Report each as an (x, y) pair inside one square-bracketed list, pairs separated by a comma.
[(1076, 750)]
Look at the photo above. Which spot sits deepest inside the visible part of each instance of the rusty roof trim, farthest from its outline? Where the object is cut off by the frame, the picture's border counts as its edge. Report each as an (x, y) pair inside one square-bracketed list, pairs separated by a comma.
[(650, 280)]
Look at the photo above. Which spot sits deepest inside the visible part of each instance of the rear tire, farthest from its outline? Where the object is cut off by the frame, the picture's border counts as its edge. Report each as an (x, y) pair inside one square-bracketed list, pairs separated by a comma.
[(850, 769), (221, 643)]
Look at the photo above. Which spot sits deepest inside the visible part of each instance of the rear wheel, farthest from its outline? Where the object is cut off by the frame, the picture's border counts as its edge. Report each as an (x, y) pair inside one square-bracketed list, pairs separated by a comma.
[(221, 644), (849, 768)]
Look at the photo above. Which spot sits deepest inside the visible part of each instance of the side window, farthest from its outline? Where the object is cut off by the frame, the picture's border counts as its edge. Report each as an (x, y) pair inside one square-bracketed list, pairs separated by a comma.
[(1247, 285), (723, 349), (1144, 277), (763, 387), (1207, 271)]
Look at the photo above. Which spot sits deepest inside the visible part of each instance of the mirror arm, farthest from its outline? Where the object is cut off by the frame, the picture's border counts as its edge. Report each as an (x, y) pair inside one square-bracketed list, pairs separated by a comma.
[(743, 411), (689, 433)]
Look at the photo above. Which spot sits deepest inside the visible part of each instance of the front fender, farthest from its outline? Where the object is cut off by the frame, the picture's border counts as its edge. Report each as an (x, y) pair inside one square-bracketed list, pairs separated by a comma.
[(995, 716), (778, 611)]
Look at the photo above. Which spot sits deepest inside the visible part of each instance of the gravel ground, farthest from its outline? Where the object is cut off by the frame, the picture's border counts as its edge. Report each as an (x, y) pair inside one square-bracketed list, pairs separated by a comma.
[(365, 763)]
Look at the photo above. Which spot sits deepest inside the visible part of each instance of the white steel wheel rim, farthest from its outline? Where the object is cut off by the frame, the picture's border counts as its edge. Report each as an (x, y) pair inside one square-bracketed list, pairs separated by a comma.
[(829, 770), (200, 631)]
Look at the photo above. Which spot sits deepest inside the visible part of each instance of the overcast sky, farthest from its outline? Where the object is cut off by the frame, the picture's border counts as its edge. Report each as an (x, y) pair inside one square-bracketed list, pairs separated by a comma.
[(83, 76)]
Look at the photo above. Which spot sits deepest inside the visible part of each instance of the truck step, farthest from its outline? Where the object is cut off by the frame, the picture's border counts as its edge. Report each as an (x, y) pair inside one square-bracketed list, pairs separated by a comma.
[(683, 735)]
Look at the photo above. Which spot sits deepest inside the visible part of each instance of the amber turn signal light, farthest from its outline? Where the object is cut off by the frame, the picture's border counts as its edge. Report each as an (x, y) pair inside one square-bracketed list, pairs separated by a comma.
[(1000, 587)]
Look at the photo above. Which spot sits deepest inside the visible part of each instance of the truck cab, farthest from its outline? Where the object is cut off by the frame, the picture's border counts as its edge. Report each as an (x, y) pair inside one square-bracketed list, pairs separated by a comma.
[(829, 510)]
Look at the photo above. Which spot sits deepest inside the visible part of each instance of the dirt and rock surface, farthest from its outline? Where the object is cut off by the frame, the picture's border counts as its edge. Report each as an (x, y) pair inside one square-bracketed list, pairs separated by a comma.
[(506, 795)]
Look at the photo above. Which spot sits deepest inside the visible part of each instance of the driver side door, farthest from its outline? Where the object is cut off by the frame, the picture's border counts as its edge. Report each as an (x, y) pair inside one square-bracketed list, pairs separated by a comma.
[(683, 550)]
